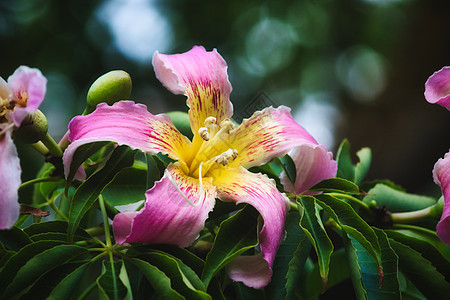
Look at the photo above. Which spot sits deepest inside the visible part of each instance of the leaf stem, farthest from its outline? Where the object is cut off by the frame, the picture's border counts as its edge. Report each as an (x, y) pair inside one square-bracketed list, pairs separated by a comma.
[(40, 147), (52, 146), (433, 211), (38, 180), (101, 203), (353, 199)]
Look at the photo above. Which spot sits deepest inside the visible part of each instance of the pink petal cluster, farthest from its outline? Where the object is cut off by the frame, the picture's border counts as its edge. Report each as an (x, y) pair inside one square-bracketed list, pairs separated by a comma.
[(213, 165), (22, 94), (437, 90)]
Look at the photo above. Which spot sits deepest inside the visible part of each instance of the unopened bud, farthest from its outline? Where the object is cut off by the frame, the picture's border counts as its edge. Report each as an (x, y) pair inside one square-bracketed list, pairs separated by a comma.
[(110, 88), (33, 128)]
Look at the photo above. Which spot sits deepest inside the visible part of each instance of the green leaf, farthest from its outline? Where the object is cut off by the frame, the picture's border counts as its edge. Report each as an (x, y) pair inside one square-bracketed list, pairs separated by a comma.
[(155, 170), (109, 284), (183, 279), (181, 121), (47, 188), (236, 235), (39, 265), (311, 223), (368, 280), (336, 185), (187, 257), (397, 201), (42, 288), (53, 230), (16, 261), (311, 285), (160, 282), (363, 166), (81, 154), (289, 260), (65, 288), (351, 223), (425, 235), (128, 186), (346, 168), (427, 250), (14, 238), (88, 192), (421, 272), (289, 168)]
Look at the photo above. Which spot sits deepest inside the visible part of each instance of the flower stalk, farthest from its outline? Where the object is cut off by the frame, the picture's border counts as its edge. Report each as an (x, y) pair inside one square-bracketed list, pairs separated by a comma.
[(433, 212)]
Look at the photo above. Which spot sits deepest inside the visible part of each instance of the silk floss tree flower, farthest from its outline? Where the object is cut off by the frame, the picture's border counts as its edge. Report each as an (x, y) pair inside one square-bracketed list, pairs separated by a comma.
[(20, 96), (213, 165), (437, 90)]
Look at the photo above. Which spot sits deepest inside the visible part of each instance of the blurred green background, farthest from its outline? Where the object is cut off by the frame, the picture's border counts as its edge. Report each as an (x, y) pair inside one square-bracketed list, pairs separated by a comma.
[(348, 68)]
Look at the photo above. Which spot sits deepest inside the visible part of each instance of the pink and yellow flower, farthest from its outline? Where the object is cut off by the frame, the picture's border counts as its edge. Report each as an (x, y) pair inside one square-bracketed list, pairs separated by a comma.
[(437, 90), (22, 94), (213, 165)]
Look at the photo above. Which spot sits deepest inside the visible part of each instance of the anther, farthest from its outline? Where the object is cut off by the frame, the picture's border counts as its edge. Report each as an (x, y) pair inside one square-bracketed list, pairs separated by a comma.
[(209, 121), (204, 134), (231, 154), (227, 124), (221, 159)]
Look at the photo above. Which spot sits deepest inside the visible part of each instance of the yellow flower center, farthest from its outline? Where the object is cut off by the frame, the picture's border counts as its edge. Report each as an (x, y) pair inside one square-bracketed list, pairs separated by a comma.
[(210, 154)]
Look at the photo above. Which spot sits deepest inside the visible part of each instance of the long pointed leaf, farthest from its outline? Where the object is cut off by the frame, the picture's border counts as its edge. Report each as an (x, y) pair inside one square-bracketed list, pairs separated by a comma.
[(185, 283), (81, 154), (367, 280), (159, 281), (109, 282), (421, 272), (15, 262), (312, 226), (236, 235), (39, 265), (289, 260), (351, 222), (65, 288), (88, 192)]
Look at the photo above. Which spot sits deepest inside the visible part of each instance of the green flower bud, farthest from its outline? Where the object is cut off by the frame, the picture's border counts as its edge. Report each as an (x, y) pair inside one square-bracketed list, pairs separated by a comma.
[(181, 121), (33, 128), (110, 88)]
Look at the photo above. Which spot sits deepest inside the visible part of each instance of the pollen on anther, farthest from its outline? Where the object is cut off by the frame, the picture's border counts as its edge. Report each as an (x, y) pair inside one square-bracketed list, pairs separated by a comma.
[(204, 134), (226, 123), (209, 121)]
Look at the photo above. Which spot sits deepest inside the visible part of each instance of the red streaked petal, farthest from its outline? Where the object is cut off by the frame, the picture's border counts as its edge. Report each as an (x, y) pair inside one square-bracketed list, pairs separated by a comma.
[(130, 124), (202, 77), (269, 133), (167, 217), (241, 186)]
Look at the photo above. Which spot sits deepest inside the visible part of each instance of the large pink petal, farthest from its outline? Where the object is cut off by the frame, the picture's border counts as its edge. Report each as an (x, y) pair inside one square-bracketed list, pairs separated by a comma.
[(441, 174), (28, 82), (241, 186), (313, 164), (269, 133), (126, 123), (200, 75), (437, 88), (167, 217), (10, 181)]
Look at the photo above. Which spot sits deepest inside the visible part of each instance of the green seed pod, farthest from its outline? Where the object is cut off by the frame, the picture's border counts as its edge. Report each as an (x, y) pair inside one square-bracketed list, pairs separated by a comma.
[(33, 128), (181, 121), (110, 88)]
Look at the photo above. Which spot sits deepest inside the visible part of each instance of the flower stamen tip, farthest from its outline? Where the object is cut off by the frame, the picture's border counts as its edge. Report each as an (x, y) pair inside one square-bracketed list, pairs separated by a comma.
[(204, 134)]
